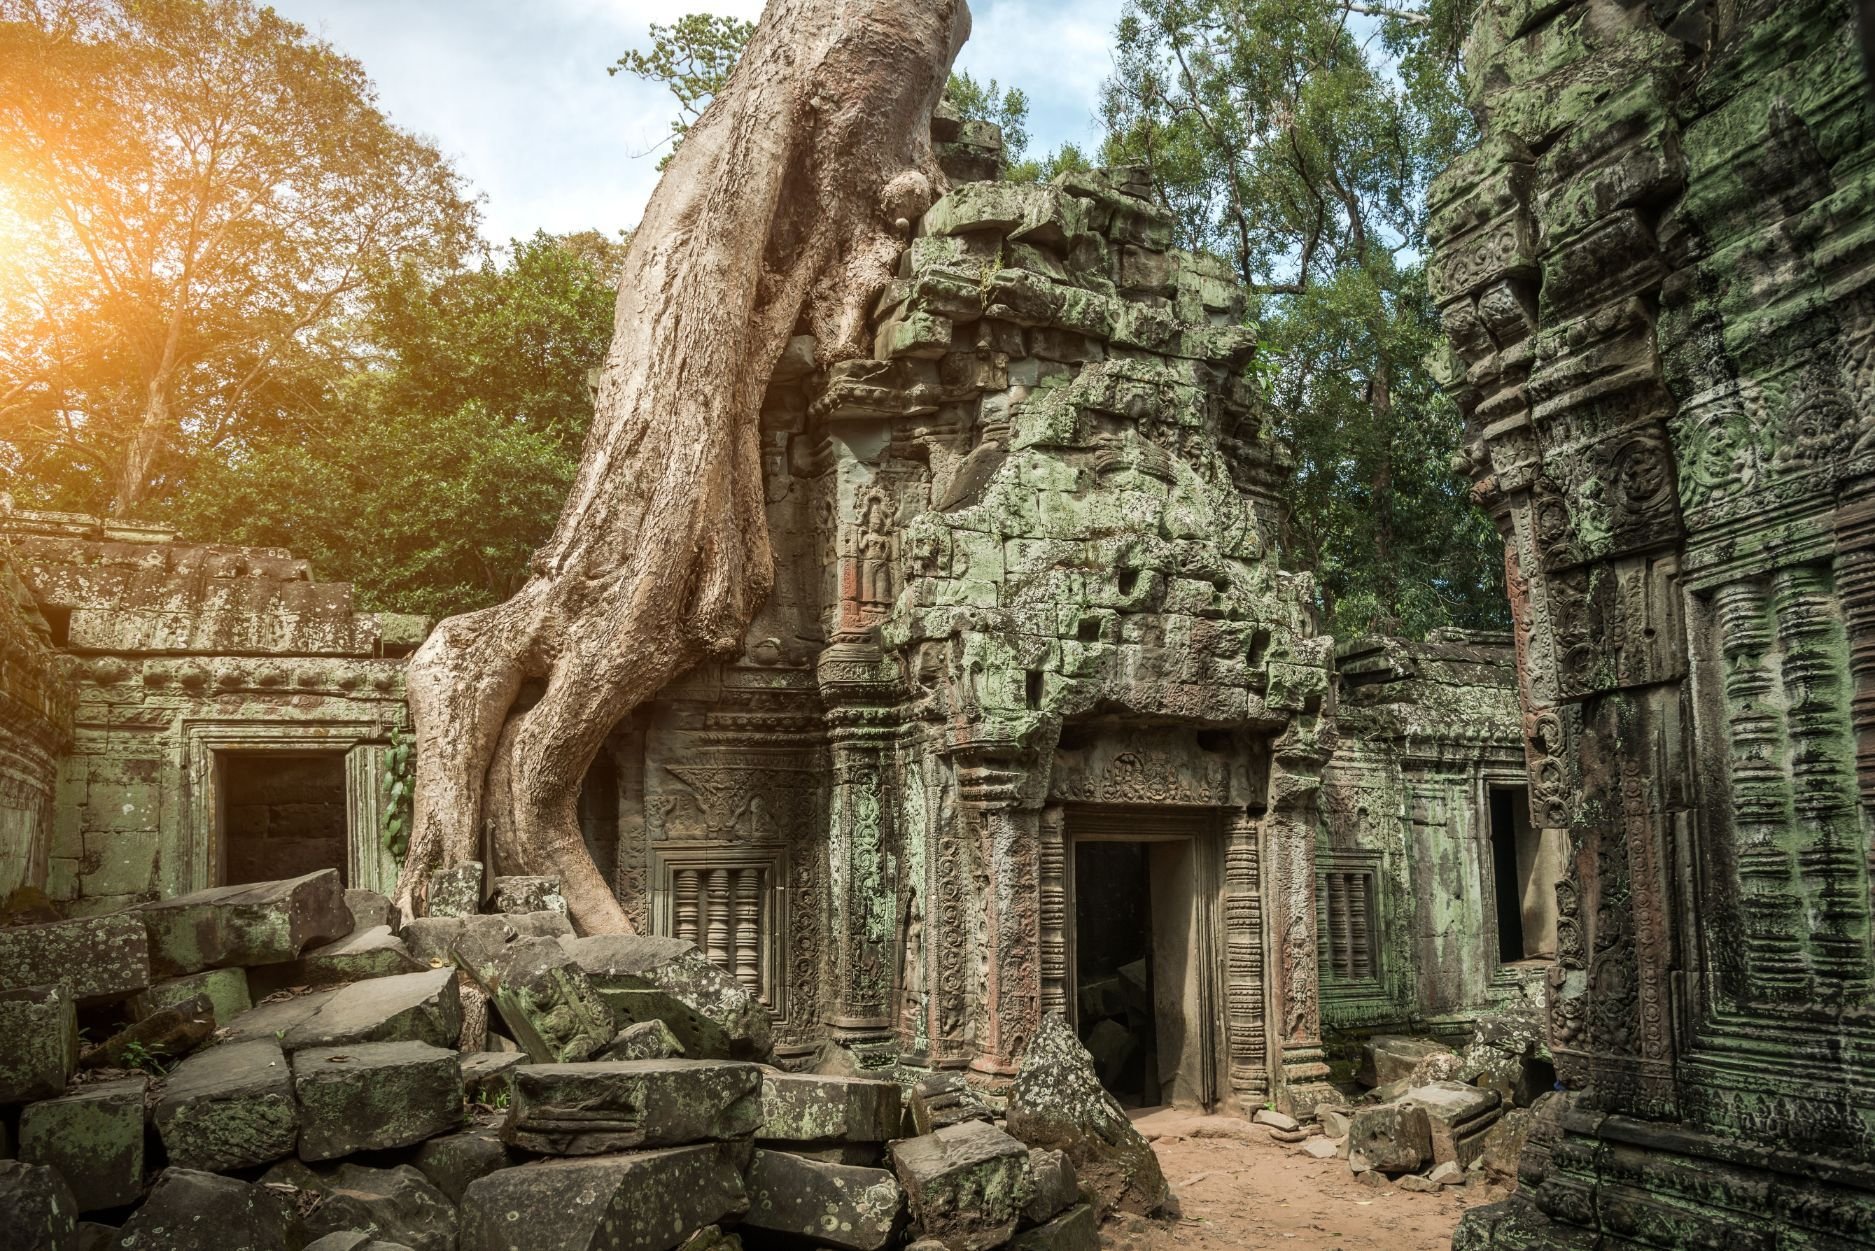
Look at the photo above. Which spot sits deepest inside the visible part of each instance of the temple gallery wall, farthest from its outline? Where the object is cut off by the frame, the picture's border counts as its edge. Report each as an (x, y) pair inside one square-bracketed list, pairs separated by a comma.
[(1038, 720)]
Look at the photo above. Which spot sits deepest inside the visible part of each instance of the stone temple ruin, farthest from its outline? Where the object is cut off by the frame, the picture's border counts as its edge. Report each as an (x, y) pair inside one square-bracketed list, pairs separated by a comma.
[(1036, 793)]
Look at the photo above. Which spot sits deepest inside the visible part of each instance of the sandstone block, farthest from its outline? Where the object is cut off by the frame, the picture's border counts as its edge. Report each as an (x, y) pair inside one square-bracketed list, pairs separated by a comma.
[(1391, 1058), (37, 1211), (369, 1096), (40, 1025), (485, 1072), (455, 891), (195, 1211), (229, 1107), (647, 1040), (94, 1138), (528, 894), (411, 1007), (255, 923), (544, 998), (835, 1205), (587, 1109), (432, 940), (1056, 1187), (1321, 1148), (1390, 1138), (96, 959), (455, 1160), (273, 1018), (645, 978), (1058, 1102), (369, 909), (648, 1201), (1275, 1119), (940, 1099), (966, 1184), (811, 1110), (359, 956), (225, 989), (1458, 1118), (394, 1205), (1077, 1229)]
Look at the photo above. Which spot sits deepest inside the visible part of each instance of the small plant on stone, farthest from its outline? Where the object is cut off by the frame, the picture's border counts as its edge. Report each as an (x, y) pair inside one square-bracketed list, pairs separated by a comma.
[(138, 1056)]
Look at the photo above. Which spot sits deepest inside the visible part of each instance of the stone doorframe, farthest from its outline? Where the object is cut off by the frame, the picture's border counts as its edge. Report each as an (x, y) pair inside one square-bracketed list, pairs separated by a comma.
[(199, 843)]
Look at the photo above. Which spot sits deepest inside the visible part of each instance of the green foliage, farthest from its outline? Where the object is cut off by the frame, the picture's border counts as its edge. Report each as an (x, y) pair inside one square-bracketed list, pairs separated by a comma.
[(692, 57), (1300, 146), (400, 779), (138, 1056), (1007, 109)]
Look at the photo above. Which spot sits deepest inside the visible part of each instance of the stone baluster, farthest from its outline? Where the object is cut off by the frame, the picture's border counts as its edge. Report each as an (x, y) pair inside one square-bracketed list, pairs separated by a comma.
[(748, 961), (1053, 869), (716, 906), (1245, 992), (688, 891)]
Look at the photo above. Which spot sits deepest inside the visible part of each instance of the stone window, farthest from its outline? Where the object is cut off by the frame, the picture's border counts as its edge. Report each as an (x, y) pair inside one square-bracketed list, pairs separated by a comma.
[(1346, 922)]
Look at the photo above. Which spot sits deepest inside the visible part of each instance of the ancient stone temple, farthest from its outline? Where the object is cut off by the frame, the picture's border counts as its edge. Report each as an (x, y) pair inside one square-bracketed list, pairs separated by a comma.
[(1655, 273)]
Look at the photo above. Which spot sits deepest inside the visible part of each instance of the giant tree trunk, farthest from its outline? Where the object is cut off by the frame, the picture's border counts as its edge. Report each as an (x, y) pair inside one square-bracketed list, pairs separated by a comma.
[(788, 203)]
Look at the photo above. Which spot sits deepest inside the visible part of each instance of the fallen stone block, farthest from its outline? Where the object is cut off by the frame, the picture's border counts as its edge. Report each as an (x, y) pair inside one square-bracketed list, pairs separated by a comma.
[(645, 978), (1415, 1184), (834, 1205), (1458, 1117), (168, 1034), (455, 1160), (1077, 1229), (455, 891), (432, 940), (1504, 1142), (255, 923), (370, 1096), (40, 1024), (1056, 1187), (96, 959), (370, 909), (528, 894), (411, 1007), (647, 1040), (1057, 1101), (359, 956), (966, 1184), (37, 1211), (1446, 1174), (941, 1099), (810, 1110), (396, 1205), (273, 1017), (1389, 1138), (1275, 1119), (194, 1211), (229, 1107), (225, 989), (486, 1072), (1391, 1058), (543, 997), (588, 1109), (94, 1138), (1334, 1121), (648, 1201), (1321, 1148)]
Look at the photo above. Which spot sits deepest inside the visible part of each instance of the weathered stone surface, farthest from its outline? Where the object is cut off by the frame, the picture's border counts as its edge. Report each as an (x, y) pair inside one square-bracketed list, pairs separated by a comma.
[(93, 1137), (835, 1205), (95, 959), (811, 1110), (1391, 1058), (543, 996), (587, 1109), (452, 1161), (646, 1201), (368, 1096), (196, 1211), (455, 891), (360, 955), (273, 1017), (1457, 1118), (37, 1211), (411, 1007), (1321, 1148), (229, 1107), (485, 1072), (646, 978), (432, 940), (226, 991), (370, 909), (40, 1025), (1389, 1137), (1058, 1102), (96, 1236), (646, 1040), (1056, 1187), (528, 894), (1274, 1119), (395, 1205), (1077, 1229), (168, 1034), (966, 1184), (257, 923), (1504, 1142), (940, 1099)]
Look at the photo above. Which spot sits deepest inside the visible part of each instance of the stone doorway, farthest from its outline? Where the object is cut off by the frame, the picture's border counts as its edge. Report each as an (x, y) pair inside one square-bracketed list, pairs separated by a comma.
[(1526, 863), (284, 814), (1140, 950)]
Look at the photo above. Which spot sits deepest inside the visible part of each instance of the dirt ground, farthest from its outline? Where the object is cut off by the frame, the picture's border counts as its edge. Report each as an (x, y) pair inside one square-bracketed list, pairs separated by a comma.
[(1238, 1189)]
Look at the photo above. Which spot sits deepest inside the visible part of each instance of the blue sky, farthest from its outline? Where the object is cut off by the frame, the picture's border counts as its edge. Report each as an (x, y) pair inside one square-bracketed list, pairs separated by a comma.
[(517, 94)]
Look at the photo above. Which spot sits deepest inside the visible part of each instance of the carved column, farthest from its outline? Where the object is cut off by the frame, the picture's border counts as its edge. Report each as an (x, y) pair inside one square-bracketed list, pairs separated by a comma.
[(1007, 987), (1053, 870), (1289, 892), (1245, 998)]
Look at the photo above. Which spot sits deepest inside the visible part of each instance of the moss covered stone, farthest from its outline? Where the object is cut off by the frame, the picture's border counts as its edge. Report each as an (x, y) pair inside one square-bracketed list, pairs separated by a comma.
[(40, 1026), (646, 1201), (587, 1109), (966, 1184), (834, 1205), (96, 959), (257, 923), (229, 1107), (94, 1138), (371, 1096)]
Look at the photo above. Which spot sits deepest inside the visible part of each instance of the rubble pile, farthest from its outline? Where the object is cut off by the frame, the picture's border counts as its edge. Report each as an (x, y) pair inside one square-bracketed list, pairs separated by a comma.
[(282, 1067)]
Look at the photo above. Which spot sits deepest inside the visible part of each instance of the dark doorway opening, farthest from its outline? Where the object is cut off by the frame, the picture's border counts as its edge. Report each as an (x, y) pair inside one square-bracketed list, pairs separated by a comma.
[(1113, 967), (1526, 863), (1504, 876), (283, 815)]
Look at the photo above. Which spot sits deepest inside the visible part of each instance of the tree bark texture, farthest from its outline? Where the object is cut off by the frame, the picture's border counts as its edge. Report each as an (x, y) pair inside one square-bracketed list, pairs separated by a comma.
[(784, 210)]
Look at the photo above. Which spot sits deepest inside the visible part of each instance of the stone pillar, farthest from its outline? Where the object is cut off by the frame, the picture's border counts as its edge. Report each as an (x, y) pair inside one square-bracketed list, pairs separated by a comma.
[(1295, 780), (1245, 989), (1053, 868), (1007, 986)]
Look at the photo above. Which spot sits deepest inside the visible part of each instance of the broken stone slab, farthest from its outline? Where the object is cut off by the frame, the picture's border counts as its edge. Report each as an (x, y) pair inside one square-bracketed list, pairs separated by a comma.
[(1446, 1174), (645, 978), (1077, 1229), (370, 909), (96, 959), (588, 1109), (1458, 1117), (1415, 1184), (225, 989), (411, 1007), (455, 891), (941, 1099), (543, 997), (1504, 1142), (94, 1138), (646, 1201), (834, 1205), (40, 1025), (966, 1184), (432, 940), (1057, 1101), (453, 1161), (486, 1072), (1389, 1138), (1275, 1119), (647, 1040), (1056, 1187), (189, 1210), (168, 1033), (255, 923), (1391, 1058), (37, 1211), (229, 1107), (810, 1110), (528, 894), (359, 956), (370, 1096), (1321, 1148), (396, 1205), (273, 1017), (1334, 1121)]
